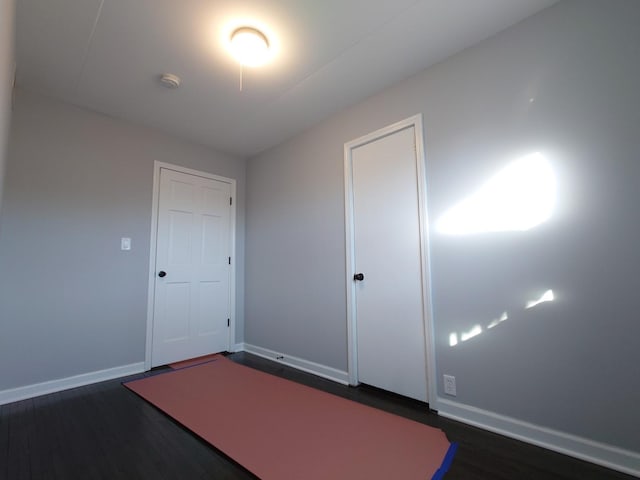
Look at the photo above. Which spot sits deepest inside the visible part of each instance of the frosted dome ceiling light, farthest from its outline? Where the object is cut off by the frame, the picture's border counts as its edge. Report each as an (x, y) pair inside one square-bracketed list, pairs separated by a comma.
[(249, 46)]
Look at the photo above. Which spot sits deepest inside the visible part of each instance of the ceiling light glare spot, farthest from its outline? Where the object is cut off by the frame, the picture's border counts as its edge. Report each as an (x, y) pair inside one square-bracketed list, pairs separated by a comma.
[(249, 46)]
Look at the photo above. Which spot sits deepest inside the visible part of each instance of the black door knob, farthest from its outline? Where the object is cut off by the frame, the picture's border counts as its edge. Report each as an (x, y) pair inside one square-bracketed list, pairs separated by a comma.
[(162, 273), (359, 277)]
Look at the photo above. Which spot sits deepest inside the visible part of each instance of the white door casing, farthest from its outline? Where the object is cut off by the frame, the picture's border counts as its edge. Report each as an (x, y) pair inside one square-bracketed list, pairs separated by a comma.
[(191, 305), (389, 310)]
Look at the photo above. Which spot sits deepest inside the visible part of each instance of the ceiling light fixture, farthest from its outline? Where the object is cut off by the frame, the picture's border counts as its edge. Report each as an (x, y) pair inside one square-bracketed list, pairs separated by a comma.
[(249, 46)]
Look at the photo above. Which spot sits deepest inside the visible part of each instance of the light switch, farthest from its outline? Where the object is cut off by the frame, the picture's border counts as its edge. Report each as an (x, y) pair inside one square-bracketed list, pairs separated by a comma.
[(125, 243)]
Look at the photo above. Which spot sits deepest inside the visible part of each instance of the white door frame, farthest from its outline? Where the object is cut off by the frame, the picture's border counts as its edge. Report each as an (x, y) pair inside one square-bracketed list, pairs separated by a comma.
[(416, 122), (153, 245)]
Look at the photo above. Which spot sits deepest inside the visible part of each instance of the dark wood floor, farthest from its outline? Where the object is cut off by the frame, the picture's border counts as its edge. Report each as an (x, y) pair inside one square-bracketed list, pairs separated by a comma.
[(104, 431)]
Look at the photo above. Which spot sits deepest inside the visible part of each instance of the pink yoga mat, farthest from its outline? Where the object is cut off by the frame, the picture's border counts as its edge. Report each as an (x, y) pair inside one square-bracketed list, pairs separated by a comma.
[(281, 430), (194, 361)]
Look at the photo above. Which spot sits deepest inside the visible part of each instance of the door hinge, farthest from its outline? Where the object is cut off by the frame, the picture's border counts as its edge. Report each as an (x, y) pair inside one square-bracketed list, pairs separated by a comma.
[(229, 260), (230, 200), (228, 322)]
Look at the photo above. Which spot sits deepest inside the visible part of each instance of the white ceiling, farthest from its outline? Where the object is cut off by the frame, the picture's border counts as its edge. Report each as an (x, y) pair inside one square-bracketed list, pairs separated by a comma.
[(106, 55)]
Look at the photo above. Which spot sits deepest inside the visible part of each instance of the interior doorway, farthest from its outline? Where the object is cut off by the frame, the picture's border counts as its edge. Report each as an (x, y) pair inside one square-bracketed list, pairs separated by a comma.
[(191, 299), (387, 281)]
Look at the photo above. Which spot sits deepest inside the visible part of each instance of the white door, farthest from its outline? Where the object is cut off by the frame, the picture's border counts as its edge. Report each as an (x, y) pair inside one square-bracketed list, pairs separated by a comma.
[(192, 283), (388, 297)]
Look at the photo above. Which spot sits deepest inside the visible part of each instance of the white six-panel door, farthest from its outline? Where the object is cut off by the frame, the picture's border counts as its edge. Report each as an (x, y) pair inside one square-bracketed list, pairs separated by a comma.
[(388, 309), (192, 269)]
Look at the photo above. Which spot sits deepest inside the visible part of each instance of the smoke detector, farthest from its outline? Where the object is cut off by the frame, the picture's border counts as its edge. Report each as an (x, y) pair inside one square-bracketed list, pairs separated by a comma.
[(170, 80)]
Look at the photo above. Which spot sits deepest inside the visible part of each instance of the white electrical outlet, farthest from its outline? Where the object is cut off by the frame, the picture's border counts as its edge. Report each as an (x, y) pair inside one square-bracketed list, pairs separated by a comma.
[(449, 385)]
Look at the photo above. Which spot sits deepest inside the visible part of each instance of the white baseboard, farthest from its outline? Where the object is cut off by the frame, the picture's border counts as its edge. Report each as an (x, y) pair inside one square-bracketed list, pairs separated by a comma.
[(37, 389), (603, 454), (238, 347), (300, 363)]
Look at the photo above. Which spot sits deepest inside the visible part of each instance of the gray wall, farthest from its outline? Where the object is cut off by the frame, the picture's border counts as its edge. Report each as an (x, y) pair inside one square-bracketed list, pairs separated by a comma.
[(6, 79), (570, 364), (70, 301)]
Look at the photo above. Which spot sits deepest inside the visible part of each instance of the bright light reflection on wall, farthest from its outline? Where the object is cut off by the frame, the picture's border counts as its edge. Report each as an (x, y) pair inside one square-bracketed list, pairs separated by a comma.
[(474, 332), (546, 297), (517, 198), (498, 321)]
